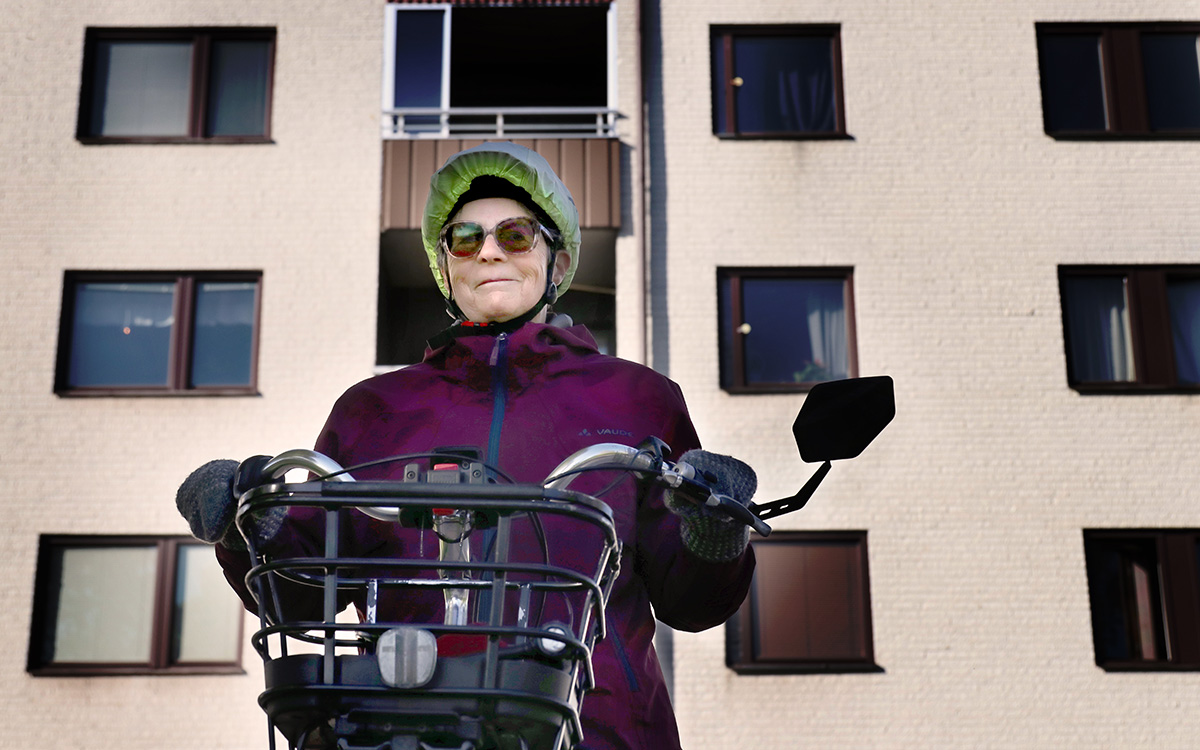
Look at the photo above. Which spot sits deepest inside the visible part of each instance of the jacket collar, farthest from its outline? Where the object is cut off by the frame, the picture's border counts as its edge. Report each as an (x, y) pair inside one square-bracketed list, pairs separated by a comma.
[(536, 337)]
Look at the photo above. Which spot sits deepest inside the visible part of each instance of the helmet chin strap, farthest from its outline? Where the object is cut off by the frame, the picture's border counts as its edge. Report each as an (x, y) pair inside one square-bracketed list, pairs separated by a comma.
[(461, 327)]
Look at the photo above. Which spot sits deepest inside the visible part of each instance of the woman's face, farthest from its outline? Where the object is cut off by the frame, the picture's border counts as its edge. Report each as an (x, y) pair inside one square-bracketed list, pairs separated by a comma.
[(493, 286)]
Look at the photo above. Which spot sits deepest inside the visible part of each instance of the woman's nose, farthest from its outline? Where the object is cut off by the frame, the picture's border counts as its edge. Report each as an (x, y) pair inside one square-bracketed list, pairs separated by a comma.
[(490, 249)]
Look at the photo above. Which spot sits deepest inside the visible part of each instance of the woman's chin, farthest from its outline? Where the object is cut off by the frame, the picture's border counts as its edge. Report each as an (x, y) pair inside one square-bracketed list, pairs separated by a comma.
[(500, 309)]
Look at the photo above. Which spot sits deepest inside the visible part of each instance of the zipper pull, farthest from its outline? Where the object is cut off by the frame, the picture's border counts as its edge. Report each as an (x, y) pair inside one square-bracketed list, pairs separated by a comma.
[(496, 349)]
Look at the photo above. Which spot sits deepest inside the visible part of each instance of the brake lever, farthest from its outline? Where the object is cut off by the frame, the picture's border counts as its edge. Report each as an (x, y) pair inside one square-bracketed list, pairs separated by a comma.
[(739, 512), (726, 504)]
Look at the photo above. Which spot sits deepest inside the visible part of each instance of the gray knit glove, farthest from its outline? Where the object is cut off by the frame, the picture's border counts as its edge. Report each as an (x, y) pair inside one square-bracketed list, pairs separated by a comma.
[(708, 533), (206, 499)]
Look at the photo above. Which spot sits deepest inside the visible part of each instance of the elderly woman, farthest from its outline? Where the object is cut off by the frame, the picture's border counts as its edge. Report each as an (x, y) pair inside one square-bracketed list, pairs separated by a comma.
[(502, 235)]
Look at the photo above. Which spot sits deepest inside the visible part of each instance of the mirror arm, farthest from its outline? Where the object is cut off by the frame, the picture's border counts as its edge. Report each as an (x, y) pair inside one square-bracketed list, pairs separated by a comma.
[(795, 502)]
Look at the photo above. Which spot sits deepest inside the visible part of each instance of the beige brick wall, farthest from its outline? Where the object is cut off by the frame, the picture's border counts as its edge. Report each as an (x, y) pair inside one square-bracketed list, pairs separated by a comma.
[(954, 209), (303, 210), (951, 204)]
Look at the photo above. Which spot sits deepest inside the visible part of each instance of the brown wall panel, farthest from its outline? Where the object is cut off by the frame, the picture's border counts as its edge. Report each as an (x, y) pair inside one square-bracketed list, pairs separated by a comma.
[(589, 167)]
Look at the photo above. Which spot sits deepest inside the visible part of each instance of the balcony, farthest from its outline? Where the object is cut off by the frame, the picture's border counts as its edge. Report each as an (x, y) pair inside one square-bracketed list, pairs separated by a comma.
[(457, 74)]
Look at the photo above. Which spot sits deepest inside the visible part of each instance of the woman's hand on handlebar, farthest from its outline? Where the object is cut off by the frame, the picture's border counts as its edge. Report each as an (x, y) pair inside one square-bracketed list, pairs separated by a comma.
[(208, 500), (711, 500)]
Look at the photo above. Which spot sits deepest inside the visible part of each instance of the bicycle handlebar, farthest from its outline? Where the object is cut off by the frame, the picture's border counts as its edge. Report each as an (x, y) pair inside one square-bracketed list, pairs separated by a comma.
[(677, 476)]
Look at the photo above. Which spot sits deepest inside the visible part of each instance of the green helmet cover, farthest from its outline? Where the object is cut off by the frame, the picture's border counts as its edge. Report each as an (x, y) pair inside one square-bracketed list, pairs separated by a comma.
[(517, 164)]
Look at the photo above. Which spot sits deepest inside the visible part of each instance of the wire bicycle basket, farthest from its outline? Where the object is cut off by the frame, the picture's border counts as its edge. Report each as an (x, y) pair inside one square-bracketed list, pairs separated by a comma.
[(507, 664)]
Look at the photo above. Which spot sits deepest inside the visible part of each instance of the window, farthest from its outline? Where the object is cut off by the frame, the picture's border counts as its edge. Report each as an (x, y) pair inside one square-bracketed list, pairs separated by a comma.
[(777, 82), (784, 329), (1145, 598), (1133, 328), (809, 607), (1120, 79), (462, 58), (176, 85), (158, 333), (132, 605)]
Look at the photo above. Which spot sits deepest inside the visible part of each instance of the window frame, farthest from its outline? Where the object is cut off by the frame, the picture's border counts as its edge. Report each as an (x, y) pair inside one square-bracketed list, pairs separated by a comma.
[(179, 363), (201, 39), (1122, 78), (1149, 324), (167, 552), (1178, 565), (735, 382), (742, 630), (722, 36)]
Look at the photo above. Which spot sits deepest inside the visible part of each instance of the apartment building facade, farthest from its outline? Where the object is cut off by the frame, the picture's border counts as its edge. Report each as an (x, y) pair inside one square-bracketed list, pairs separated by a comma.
[(209, 220)]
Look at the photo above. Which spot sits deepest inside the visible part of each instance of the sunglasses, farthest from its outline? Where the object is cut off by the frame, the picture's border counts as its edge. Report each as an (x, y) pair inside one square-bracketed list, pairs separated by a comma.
[(517, 235)]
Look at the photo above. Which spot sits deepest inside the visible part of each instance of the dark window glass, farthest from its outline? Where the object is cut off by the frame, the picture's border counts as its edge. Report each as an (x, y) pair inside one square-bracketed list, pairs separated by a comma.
[(1097, 314), (223, 337), (784, 329), (1073, 82), (808, 608), (485, 71), (776, 81), (145, 84), (1120, 79), (1126, 600), (1183, 296), (237, 99), (149, 333), (419, 58), (1172, 81), (418, 80), (787, 84), (121, 334), (132, 605), (1143, 591), (1131, 328)]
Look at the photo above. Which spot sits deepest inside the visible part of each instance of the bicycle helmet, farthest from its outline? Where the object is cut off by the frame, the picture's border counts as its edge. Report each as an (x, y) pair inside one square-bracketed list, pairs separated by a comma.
[(523, 168)]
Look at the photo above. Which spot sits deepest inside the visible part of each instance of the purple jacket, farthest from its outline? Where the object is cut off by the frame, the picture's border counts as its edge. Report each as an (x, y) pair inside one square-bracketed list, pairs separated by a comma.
[(528, 400)]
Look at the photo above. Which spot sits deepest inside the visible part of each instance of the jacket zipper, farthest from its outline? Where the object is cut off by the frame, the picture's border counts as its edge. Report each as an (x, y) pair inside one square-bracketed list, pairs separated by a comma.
[(498, 361), (499, 364)]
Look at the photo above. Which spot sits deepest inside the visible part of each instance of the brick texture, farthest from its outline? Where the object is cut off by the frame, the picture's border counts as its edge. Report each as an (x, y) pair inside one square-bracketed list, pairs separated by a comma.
[(950, 203), (954, 209)]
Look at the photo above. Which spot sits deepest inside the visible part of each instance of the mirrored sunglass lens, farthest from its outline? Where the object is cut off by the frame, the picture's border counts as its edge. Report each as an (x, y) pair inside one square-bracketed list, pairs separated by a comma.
[(516, 235), (464, 238)]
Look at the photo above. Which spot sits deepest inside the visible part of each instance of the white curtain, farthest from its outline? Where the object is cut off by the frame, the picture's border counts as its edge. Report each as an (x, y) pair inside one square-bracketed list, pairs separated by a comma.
[(826, 316)]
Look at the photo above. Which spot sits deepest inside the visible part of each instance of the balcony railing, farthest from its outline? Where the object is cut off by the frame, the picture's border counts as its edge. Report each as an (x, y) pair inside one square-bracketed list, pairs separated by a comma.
[(412, 123)]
